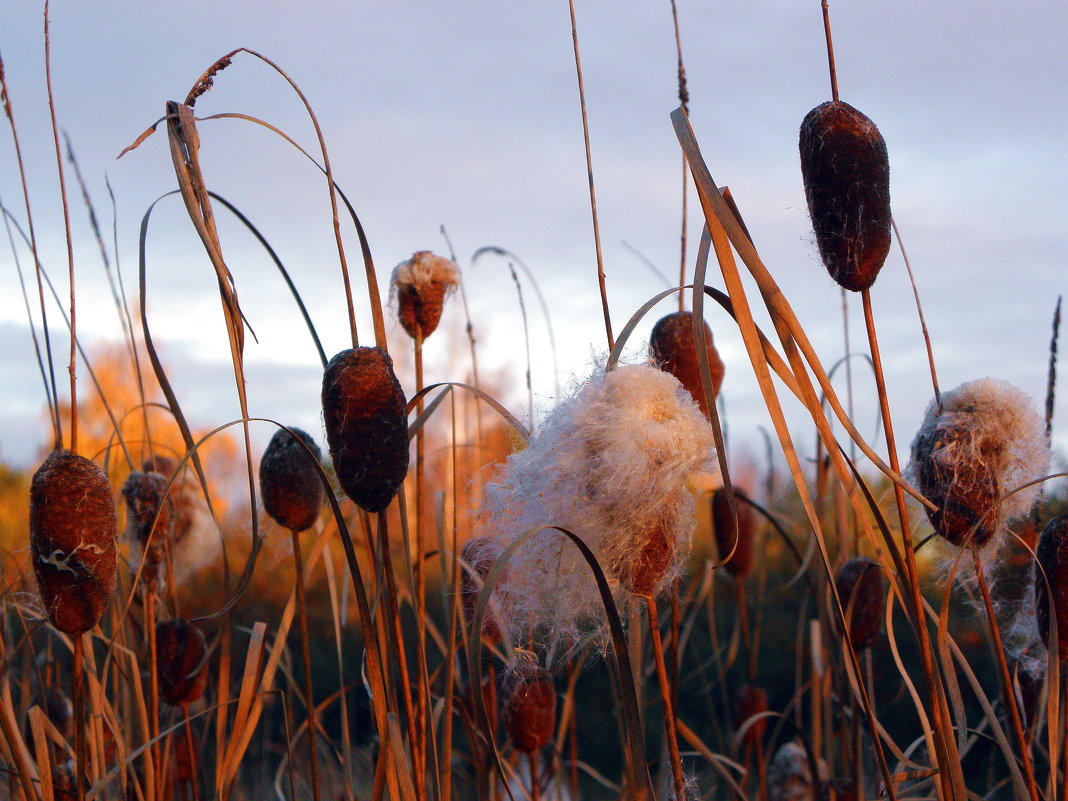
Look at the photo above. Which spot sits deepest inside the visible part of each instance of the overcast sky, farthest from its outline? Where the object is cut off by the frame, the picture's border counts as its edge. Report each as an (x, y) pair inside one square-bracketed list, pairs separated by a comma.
[(466, 114)]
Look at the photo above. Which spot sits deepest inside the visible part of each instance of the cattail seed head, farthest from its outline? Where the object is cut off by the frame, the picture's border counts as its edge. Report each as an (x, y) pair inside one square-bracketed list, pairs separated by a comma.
[(72, 538), (860, 584), (529, 707), (289, 481), (366, 420), (985, 441), (1052, 556), (846, 173), (675, 350), (182, 661), (734, 534), (146, 504), (610, 465), (752, 701), (419, 287), (480, 553)]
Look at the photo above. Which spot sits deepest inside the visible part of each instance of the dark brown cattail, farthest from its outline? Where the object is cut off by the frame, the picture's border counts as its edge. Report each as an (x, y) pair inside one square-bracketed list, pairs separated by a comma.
[(63, 788), (860, 583), (72, 540), (480, 553), (1052, 555), (366, 420), (846, 173), (734, 535), (529, 707), (181, 497), (642, 575), (419, 286), (752, 701), (675, 351), (182, 661), (289, 481), (146, 505)]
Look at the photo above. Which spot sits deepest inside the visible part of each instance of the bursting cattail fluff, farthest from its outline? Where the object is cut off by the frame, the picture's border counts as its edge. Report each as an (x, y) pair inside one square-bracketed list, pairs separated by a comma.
[(846, 173), (863, 595), (675, 350), (734, 536), (419, 287), (985, 441), (529, 700), (72, 539), (610, 465), (182, 661), (289, 480), (366, 420)]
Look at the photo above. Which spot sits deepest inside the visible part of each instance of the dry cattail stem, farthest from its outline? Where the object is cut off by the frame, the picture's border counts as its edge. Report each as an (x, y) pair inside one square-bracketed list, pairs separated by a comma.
[(529, 707), (846, 173), (675, 350), (752, 701), (182, 668), (366, 420), (72, 539), (289, 481), (860, 584), (419, 287), (984, 440), (1052, 555), (734, 534), (480, 553)]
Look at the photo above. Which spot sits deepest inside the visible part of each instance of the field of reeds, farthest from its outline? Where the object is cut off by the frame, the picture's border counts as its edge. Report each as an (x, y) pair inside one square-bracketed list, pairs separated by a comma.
[(438, 597)]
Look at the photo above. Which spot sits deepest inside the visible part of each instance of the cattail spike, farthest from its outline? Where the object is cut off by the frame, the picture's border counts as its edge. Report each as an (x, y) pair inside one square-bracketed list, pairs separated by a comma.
[(289, 481)]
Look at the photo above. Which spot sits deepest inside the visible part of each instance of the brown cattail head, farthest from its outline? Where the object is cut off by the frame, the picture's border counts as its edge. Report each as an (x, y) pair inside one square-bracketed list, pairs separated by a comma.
[(1052, 555), (63, 784), (366, 420), (289, 481), (146, 505), (182, 661), (181, 497), (860, 584), (72, 540), (643, 573), (480, 553), (674, 349), (529, 699), (419, 286), (846, 173), (752, 701), (732, 534)]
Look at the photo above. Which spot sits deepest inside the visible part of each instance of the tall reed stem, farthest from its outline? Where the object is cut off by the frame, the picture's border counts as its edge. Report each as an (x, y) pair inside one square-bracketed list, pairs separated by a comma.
[(309, 697), (950, 773), (79, 719), (665, 695)]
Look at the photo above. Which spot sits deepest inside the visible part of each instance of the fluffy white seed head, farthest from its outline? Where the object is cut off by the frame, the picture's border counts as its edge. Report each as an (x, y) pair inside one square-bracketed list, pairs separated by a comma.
[(422, 270), (988, 441), (610, 465)]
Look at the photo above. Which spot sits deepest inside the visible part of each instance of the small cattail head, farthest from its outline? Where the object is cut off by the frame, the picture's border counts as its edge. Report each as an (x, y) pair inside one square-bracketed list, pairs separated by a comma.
[(181, 498), (529, 707), (846, 172), (860, 585), (146, 504), (182, 661), (419, 287), (734, 534), (1052, 556), (675, 350), (63, 783), (366, 420), (790, 775), (985, 440), (480, 554), (72, 539), (289, 481), (752, 701)]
